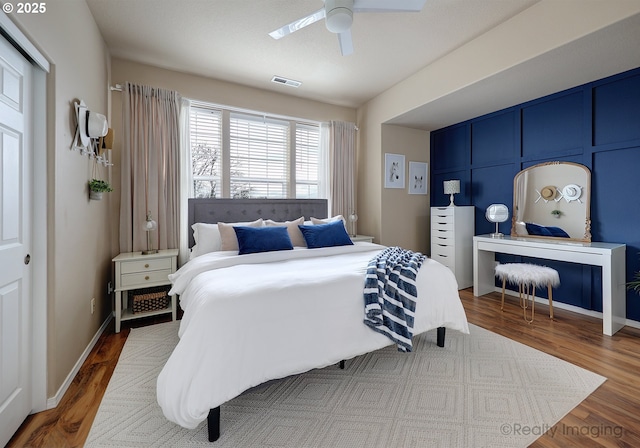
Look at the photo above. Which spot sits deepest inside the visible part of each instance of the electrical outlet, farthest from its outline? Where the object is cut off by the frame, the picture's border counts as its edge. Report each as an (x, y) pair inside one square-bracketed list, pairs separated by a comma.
[(109, 288), (93, 305)]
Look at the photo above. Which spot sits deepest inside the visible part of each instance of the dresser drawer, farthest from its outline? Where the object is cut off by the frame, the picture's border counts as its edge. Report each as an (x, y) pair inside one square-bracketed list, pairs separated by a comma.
[(442, 211), (442, 232), (443, 237), (442, 220), (442, 250), (447, 261), (128, 267), (442, 242), (143, 278)]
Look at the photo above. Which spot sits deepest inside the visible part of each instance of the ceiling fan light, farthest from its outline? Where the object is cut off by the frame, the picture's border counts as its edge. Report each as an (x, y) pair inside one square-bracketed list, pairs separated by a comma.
[(339, 20)]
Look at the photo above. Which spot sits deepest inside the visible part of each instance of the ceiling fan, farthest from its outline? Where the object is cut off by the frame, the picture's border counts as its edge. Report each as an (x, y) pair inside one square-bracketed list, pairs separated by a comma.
[(338, 15)]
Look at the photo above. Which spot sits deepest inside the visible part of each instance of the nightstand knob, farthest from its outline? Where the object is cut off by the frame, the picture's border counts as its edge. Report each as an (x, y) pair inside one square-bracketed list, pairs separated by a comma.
[(146, 265), (146, 277)]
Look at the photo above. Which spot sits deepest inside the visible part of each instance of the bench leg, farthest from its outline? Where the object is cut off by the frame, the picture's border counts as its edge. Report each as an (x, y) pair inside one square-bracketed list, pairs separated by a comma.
[(530, 297), (550, 301), (504, 286)]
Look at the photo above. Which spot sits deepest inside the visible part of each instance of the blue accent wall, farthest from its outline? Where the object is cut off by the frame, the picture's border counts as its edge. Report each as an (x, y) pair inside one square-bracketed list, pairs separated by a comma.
[(597, 125)]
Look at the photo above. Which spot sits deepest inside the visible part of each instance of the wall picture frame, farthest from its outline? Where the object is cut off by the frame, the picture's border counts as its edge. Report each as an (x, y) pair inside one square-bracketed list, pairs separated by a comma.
[(394, 168), (418, 177)]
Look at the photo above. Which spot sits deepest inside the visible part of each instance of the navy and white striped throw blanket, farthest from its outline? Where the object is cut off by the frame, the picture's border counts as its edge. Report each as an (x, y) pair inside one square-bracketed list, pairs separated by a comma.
[(390, 293)]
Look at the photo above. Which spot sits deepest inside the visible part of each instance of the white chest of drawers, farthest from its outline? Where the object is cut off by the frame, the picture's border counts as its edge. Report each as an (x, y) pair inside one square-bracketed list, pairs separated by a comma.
[(452, 230)]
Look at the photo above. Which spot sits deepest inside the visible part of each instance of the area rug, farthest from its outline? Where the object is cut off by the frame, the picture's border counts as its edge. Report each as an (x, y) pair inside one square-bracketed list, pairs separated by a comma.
[(480, 390)]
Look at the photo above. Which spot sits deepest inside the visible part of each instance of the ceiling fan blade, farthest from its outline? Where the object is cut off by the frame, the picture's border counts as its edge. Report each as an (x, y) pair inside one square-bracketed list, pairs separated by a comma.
[(388, 5), (346, 43), (298, 24)]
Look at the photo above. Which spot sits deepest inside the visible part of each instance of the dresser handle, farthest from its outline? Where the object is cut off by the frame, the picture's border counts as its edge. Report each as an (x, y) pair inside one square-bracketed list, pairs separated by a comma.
[(146, 265), (146, 277)]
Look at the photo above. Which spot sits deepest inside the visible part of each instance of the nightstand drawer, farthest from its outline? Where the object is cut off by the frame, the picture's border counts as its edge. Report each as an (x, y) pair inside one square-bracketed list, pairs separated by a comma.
[(143, 278), (156, 264)]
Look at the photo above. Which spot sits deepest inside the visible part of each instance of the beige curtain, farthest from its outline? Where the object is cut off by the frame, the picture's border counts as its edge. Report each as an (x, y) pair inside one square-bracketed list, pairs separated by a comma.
[(342, 168), (150, 167)]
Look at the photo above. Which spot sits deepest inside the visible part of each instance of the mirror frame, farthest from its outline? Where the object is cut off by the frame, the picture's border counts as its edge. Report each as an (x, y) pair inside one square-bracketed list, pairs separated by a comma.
[(587, 198)]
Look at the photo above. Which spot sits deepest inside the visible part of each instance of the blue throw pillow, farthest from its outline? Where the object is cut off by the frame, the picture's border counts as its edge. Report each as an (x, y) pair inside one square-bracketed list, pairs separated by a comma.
[(262, 239), (535, 229), (326, 235), (557, 231)]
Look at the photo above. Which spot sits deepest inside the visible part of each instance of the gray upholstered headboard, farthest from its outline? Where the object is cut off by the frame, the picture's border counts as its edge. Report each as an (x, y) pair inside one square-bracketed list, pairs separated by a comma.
[(238, 210)]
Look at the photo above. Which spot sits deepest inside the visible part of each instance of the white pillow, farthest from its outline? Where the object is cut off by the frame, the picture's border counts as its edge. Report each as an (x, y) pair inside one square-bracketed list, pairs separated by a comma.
[(228, 235), (521, 228), (316, 221), (207, 239)]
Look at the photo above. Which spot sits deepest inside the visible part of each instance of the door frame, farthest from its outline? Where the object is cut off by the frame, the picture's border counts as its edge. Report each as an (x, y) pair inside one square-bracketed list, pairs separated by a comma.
[(39, 289)]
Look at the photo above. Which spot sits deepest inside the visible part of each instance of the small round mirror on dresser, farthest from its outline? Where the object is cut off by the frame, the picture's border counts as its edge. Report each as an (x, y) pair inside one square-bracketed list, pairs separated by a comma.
[(497, 213)]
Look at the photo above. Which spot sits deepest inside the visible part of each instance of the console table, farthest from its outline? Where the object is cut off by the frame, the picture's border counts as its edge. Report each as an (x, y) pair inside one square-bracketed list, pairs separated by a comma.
[(611, 257)]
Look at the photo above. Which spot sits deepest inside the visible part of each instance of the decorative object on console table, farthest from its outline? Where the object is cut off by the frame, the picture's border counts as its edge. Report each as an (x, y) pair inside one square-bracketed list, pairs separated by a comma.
[(136, 272), (452, 233), (451, 187), (497, 213), (149, 226)]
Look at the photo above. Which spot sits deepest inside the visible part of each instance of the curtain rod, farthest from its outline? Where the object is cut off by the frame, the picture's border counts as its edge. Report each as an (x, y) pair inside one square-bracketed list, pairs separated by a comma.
[(118, 88)]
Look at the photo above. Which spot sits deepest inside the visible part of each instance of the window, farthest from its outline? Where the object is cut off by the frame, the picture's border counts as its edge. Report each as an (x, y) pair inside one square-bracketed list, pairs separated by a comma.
[(258, 154), (307, 161), (206, 152), (242, 155)]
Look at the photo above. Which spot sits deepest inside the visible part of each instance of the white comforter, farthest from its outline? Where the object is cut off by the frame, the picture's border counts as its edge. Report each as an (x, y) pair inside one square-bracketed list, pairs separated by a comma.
[(253, 318)]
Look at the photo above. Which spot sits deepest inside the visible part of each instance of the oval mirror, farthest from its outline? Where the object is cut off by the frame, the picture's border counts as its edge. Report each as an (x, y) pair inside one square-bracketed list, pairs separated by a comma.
[(497, 213), (552, 200)]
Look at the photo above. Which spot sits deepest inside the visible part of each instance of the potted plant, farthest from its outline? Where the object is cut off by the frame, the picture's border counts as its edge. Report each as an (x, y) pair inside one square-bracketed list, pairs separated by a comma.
[(635, 284), (556, 213), (97, 187)]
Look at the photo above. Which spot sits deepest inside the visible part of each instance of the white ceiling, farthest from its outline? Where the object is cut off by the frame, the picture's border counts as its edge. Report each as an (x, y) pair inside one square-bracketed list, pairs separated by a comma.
[(228, 40)]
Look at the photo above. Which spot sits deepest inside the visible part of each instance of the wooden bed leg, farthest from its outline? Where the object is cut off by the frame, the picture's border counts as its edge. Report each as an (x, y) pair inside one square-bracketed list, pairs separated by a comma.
[(342, 364), (441, 334), (213, 424)]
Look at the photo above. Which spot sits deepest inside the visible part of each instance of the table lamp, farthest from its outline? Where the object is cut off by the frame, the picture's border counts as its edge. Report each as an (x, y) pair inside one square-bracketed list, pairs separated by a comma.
[(149, 226), (451, 187)]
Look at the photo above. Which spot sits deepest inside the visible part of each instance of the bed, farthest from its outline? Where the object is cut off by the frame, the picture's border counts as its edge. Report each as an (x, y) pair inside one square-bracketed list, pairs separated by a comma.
[(260, 316)]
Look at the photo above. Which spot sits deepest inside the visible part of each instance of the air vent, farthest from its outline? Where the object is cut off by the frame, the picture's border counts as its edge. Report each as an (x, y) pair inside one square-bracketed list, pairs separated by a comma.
[(285, 81)]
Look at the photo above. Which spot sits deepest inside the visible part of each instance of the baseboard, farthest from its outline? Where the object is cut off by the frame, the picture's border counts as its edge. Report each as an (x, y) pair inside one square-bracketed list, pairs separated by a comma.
[(566, 306), (53, 402)]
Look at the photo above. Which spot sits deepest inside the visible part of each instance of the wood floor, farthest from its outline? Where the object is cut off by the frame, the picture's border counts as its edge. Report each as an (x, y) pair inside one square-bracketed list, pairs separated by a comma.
[(610, 417)]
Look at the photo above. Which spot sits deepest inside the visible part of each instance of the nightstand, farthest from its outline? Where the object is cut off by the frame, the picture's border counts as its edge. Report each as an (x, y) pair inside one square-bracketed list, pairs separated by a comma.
[(365, 238), (135, 271)]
